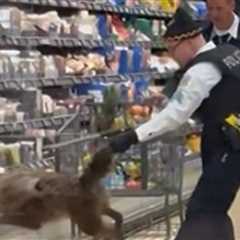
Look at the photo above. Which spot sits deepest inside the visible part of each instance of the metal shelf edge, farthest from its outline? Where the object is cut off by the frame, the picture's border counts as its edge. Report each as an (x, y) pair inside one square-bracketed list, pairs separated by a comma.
[(34, 123), (39, 82), (140, 11)]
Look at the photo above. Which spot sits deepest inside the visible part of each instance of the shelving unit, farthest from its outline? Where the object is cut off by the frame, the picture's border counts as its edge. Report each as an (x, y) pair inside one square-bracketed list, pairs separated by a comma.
[(48, 122), (19, 84), (136, 11), (76, 5), (23, 42), (63, 44), (13, 41), (26, 42)]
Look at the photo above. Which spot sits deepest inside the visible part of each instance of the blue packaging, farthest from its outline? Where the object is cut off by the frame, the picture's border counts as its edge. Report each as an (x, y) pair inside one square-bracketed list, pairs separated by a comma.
[(140, 87), (117, 2), (137, 56), (200, 9), (95, 89), (123, 62), (103, 29)]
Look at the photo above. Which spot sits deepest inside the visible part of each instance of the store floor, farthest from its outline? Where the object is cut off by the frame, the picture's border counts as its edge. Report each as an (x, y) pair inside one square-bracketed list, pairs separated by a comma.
[(128, 206), (157, 232), (61, 229), (235, 215)]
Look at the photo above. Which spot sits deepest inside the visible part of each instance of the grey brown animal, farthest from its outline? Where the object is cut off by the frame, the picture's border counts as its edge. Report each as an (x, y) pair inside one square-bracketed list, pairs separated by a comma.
[(30, 199)]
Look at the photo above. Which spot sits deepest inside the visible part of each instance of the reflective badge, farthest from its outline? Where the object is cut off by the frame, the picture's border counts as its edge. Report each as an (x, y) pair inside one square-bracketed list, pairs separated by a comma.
[(232, 60), (231, 131), (234, 121)]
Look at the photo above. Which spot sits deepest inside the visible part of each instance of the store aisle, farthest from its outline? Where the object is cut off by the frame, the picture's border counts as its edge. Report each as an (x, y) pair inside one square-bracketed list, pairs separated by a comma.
[(61, 231), (157, 231)]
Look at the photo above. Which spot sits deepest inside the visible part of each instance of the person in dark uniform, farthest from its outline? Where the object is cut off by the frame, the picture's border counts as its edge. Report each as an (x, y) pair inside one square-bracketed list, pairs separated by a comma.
[(223, 26), (209, 85), (237, 8)]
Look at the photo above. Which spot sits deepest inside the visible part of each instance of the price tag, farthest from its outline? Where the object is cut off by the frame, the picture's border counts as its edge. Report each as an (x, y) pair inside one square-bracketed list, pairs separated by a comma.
[(45, 41)]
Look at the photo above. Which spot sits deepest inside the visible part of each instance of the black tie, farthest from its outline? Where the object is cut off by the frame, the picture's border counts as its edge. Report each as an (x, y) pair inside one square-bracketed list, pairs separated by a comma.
[(226, 38)]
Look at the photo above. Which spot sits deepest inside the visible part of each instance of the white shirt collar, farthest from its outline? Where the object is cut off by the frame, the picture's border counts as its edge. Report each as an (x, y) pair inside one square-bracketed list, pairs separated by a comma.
[(208, 46), (233, 30)]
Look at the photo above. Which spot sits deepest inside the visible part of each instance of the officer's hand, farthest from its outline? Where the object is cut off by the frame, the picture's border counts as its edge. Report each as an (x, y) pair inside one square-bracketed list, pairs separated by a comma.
[(123, 140)]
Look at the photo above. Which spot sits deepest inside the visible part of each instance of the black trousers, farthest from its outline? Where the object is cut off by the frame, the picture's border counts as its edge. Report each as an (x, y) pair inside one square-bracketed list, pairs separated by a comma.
[(211, 199)]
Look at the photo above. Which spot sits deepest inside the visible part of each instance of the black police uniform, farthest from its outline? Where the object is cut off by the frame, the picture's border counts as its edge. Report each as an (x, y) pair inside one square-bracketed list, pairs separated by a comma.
[(220, 180), (237, 9), (227, 38)]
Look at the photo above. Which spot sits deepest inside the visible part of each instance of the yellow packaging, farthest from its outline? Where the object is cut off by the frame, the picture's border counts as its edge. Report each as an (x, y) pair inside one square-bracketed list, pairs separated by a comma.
[(233, 121), (165, 5), (169, 5), (193, 143)]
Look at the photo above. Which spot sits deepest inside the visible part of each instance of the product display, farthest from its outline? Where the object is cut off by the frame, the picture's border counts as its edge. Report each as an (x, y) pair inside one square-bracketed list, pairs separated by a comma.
[(105, 28), (30, 65), (121, 104)]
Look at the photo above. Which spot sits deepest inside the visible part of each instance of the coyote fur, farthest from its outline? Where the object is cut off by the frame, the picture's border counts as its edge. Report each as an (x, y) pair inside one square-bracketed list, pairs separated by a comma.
[(30, 199)]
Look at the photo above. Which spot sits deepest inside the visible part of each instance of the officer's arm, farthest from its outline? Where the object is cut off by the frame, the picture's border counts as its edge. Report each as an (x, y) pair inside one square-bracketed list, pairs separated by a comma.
[(194, 87)]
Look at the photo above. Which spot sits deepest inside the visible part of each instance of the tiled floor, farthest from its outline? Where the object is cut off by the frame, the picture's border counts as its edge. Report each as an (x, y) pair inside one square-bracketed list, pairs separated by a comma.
[(157, 232), (60, 231), (56, 232)]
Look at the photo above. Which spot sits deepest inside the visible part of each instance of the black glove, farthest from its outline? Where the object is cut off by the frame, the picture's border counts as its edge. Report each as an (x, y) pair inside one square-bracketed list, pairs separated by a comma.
[(121, 142)]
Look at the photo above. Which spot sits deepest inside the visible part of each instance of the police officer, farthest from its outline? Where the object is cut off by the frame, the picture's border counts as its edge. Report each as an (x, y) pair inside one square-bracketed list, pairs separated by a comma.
[(210, 85), (223, 24), (237, 9)]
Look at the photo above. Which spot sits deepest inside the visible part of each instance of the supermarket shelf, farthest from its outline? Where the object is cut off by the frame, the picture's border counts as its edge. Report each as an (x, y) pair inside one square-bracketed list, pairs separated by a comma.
[(19, 84), (145, 44), (92, 6), (49, 122), (18, 41), (32, 41)]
